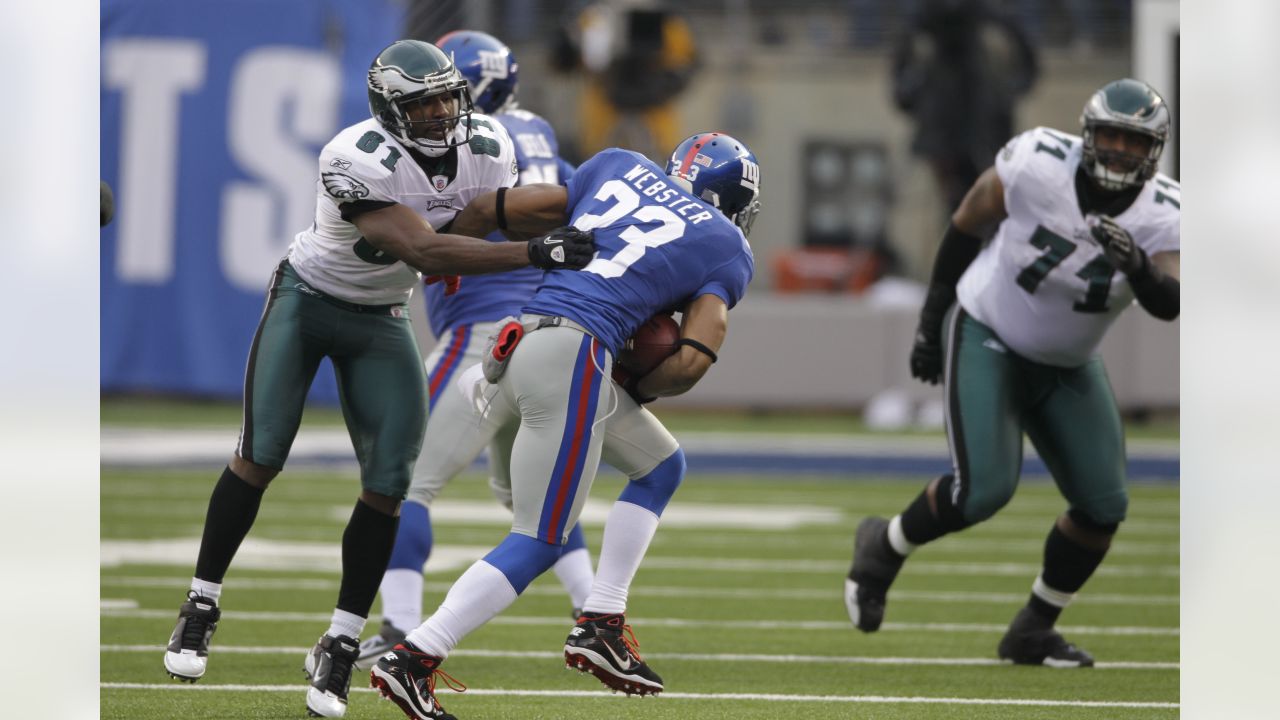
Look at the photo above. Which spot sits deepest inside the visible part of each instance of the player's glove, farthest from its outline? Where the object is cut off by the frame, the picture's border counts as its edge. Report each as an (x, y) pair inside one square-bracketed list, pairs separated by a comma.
[(565, 248), (451, 282), (1119, 247), (628, 383), (926, 349)]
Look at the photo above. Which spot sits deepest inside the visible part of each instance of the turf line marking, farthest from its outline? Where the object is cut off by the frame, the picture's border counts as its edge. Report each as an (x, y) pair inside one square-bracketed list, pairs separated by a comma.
[(707, 657), (558, 621), (306, 584), (875, 699)]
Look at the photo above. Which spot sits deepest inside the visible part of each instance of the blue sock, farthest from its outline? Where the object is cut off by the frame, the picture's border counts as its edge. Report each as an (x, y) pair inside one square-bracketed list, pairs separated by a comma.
[(577, 540), (654, 490), (522, 558), (413, 539)]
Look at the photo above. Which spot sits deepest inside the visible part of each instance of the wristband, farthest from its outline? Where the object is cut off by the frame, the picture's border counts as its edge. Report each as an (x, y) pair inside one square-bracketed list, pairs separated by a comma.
[(500, 209), (699, 347)]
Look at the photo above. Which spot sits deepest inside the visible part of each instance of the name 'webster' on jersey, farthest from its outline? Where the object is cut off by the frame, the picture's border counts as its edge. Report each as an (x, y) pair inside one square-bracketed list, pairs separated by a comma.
[(488, 297), (1043, 284), (366, 163), (657, 247)]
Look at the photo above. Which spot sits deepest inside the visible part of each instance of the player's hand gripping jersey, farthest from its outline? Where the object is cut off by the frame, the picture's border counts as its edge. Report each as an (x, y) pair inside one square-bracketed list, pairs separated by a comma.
[(1043, 283), (364, 167), (657, 247), (493, 296)]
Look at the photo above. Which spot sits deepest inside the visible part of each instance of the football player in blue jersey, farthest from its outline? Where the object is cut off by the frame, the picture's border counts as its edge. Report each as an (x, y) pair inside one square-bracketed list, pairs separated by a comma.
[(666, 238), (461, 320)]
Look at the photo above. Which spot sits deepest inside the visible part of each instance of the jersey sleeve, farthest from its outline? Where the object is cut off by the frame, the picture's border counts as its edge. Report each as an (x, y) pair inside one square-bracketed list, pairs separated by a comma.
[(1165, 228), (1011, 164), (729, 280), (350, 175)]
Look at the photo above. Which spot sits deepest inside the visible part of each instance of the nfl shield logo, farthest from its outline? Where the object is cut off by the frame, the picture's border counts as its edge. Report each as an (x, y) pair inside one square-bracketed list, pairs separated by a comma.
[(439, 181)]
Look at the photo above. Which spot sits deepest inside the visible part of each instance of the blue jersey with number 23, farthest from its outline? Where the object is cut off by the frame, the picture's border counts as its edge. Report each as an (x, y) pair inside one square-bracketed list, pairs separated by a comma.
[(657, 247)]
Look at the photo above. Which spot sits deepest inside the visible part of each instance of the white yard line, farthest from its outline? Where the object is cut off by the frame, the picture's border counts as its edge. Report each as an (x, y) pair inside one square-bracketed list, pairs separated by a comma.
[(707, 657), (869, 699), (559, 621)]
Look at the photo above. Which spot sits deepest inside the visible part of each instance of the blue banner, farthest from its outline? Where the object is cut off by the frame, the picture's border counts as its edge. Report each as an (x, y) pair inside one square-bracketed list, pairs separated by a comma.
[(212, 117)]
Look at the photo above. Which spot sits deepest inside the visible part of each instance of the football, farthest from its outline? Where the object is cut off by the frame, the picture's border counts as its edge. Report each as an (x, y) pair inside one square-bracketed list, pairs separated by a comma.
[(652, 343)]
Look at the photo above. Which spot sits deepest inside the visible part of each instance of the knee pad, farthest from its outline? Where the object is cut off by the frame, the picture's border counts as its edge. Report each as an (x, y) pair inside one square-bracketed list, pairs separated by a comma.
[(975, 505), (413, 538), (577, 540), (654, 490)]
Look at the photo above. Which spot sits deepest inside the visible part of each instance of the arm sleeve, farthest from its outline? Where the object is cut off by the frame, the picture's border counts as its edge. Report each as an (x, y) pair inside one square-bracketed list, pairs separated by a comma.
[(729, 281)]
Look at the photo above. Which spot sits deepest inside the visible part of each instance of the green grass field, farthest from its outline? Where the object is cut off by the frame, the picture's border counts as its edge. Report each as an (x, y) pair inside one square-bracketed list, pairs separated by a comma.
[(738, 607)]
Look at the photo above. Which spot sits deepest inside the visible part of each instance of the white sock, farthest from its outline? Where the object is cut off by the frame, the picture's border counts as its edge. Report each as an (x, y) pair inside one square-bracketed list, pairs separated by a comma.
[(345, 623), (476, 598), (897, 539), (627, 533), (574, 570), (206, 589), (402, 598)]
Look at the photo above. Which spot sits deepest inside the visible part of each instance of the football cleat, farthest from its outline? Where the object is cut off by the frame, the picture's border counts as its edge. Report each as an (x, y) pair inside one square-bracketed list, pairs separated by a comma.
[(375, 647), (604, 646), (875, 565), (1031, 640), (328, 668), (188, 652), (407, 677)]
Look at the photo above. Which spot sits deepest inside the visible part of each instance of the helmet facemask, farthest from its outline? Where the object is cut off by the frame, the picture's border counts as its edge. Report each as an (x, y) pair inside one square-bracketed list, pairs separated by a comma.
[(1098, 163)]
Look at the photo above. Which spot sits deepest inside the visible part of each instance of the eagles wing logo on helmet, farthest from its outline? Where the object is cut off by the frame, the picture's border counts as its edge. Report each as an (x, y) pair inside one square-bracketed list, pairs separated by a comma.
[(343, 186)]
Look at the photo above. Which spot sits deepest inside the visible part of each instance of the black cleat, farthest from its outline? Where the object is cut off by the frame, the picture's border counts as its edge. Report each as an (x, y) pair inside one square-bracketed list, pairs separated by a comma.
[(1031, 640), (605, 646), (328, 668), (408, 678), (188, 653), (875, 565)]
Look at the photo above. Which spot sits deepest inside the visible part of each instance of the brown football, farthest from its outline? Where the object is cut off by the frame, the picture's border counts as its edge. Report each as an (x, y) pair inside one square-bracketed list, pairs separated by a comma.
[(652, 343)]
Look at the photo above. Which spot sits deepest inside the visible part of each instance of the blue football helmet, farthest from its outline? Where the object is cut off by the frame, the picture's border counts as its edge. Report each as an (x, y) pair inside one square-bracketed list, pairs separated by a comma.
[(722, 171), (488, 66)]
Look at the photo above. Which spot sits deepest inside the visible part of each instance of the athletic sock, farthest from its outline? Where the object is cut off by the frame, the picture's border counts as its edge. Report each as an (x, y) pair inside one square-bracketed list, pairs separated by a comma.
[(233, 506), (401, 587), (921, 526), (345, 623), (627, 533), (402, 598), (1067, 566), (477, 597), (366, 548), (207, 590), (897, 540), (575, 573)]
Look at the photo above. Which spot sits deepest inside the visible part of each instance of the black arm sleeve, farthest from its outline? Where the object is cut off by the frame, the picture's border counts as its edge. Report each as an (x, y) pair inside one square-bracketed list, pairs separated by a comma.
[(957, 251), (1157, 292)]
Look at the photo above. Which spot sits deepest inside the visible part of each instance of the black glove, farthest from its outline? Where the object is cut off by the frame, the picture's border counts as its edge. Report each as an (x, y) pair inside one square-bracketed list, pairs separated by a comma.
[(926, 349), (566, 248), (1119, 247)]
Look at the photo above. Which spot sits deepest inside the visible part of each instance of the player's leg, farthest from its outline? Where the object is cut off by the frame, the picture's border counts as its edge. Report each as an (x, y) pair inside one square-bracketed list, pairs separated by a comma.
[(1078, 433), (282, 363), (637, 444), (454, 437), (573, 568), (983, 387), (382, 390), (555, 383)]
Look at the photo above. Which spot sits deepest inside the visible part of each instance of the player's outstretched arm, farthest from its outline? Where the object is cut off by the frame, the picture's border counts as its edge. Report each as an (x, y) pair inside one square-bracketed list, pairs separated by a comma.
[(524, 211), (706, 320), (401, 233)]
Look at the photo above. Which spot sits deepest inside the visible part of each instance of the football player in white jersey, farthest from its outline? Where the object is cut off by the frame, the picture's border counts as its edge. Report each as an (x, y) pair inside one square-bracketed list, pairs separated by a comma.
[(1085, 226), (342, 292)]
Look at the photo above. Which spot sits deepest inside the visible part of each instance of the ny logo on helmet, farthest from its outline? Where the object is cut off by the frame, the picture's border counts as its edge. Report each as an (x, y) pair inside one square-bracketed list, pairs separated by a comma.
[(750, 174)]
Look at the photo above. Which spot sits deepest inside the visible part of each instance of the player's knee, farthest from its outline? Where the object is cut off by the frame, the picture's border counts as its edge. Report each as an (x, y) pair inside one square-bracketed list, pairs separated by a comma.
[(522, 558), (501, 491), (981, 503), (252, 473), (654, 490), (1101, 520)]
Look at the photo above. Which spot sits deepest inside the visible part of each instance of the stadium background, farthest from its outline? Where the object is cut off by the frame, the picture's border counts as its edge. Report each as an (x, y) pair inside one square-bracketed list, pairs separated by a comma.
[(183, 329), (212, 116)]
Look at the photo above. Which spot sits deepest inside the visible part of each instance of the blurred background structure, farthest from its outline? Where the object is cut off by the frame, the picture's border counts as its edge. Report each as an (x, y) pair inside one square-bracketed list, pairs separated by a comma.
[(213, 115)]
